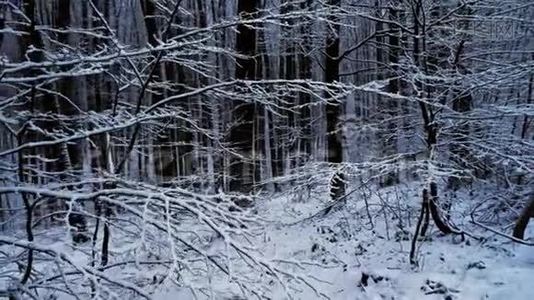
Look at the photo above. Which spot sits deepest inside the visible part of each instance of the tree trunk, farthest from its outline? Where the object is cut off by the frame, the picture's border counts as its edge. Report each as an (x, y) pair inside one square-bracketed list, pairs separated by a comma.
[(393, 87), (241, 136), (333, 110), (522, 222)]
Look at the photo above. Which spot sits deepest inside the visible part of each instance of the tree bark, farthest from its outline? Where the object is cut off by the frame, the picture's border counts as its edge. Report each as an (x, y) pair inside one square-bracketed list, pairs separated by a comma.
[(333, 110), (241, 136), (523, 220)]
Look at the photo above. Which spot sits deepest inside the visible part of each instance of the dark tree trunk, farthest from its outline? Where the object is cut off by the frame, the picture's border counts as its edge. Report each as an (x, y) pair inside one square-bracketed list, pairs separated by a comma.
[(461, 103), (72, 152), (425, 212), (241, 135), (2, 26), (523, 220), (390, 105), (33, 39), (435, 210), (420, 228), (459, 149), (305, 64), (149, 13), (430, 126), (333, 110)]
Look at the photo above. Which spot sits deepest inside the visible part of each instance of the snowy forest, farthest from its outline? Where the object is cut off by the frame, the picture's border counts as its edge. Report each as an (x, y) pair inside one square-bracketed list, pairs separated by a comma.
[(266, 149)]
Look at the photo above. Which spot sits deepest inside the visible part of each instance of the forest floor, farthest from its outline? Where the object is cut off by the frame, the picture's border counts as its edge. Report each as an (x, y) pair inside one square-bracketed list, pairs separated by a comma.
[(375, 242), (360, 250)]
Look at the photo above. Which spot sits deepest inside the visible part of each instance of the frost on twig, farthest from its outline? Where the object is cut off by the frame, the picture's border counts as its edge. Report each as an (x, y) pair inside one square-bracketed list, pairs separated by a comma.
[(177, 236)]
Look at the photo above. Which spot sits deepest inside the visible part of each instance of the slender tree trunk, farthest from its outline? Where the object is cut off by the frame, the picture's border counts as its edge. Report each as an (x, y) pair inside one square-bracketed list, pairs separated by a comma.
[(420, 228), (462, 103), (241, 136), (333, 110), (393, 87), (430, 126), (523, 220), (33, 39)]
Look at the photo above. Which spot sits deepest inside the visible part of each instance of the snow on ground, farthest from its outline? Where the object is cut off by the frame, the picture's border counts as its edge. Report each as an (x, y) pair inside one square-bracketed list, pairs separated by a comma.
[(347, 242), (354, 241)]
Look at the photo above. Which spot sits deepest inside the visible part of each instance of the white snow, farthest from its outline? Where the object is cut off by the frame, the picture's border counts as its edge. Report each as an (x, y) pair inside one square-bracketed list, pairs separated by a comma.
[(332, 253)]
